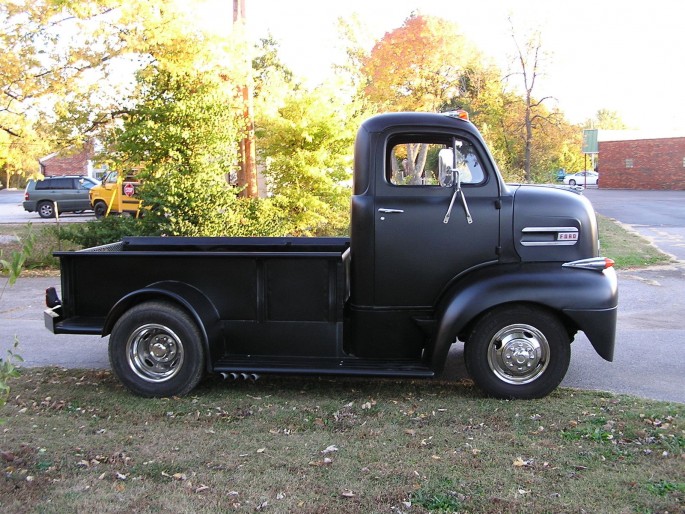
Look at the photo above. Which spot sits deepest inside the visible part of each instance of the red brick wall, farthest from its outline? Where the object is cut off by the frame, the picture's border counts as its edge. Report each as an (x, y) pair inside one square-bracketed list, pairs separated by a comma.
[(67, 163), (657, 164)]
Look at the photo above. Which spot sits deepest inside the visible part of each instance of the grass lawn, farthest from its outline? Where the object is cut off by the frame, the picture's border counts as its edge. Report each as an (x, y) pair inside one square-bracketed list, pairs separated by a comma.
[(76, 441)]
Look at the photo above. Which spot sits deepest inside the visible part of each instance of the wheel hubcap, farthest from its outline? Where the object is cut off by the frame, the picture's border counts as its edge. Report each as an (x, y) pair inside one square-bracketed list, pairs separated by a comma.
[(518, 354), (154, 352)]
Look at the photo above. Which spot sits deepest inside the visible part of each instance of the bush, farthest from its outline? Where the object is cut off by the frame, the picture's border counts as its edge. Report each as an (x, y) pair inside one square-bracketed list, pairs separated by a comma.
[(107, 230)]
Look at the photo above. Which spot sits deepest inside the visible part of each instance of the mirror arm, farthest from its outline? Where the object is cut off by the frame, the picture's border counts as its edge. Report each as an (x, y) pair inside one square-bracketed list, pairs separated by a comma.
[(458, 191), (469, 219), (449, 210)]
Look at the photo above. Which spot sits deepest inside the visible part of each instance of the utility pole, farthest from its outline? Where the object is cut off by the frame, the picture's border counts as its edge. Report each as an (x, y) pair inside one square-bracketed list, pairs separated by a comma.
[(247, 174)]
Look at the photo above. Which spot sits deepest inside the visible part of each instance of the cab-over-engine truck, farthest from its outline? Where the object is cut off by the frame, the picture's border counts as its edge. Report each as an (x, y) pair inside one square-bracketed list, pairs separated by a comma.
[(440, 250)]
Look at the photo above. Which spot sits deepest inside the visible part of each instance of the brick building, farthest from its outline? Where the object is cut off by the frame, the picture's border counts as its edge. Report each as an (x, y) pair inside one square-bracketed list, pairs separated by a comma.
[(640, 161), (69, 162)]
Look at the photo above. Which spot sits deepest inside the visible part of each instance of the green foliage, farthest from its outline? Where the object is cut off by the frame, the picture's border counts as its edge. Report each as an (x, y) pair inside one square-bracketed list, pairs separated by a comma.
[(438, 498), (106, 230), (181, 137), (663, 487), (12, 267), (607, 120), (307, 150), (15, 263)]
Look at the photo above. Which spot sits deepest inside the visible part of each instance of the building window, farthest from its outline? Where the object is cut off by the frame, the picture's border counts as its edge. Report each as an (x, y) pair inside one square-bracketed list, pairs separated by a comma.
[(629, 163), (683, 162)]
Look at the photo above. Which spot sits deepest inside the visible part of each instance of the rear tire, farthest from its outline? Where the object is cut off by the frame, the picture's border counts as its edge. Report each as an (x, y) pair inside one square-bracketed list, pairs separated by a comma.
[(518, 351), (156, 350), (46, 210)]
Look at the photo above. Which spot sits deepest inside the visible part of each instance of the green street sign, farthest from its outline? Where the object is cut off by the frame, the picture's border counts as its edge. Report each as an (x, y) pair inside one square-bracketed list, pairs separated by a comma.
[(590, 143)]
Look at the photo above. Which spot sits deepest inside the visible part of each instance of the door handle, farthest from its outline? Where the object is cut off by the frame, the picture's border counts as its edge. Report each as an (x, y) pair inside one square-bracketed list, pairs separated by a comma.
[(391, 211)]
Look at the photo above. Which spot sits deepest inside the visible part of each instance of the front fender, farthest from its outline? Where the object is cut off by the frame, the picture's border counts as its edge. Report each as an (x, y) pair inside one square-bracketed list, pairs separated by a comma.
[(200, 308), (588, 299)]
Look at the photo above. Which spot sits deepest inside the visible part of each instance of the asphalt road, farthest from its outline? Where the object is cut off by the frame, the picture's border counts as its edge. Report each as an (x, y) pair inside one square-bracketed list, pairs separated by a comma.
[(657, 215), (649, 359)]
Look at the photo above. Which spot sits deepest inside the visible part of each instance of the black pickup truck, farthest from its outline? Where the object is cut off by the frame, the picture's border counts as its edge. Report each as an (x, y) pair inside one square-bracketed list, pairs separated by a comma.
[(440, 250)]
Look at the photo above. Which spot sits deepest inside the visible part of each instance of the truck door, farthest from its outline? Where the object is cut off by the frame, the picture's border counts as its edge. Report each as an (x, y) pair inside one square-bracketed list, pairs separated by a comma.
[(416, 253)]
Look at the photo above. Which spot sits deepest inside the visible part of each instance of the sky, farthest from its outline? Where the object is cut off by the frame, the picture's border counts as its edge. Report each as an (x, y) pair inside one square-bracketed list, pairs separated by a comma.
[(618, 55)]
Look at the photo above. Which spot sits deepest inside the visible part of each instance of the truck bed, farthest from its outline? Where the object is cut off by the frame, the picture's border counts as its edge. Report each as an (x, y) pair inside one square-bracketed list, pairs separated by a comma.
[(274, 296)]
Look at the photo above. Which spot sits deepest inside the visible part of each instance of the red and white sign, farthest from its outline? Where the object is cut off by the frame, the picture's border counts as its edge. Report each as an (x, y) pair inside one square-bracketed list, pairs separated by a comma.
[(129, 189)]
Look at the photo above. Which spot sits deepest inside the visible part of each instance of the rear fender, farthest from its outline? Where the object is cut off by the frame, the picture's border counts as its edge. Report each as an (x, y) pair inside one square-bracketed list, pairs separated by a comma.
[(194, 301), (586, 299)]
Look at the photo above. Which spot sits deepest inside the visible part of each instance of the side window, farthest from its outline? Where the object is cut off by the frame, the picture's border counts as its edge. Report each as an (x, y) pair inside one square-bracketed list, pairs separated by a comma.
[(421, 161), (62, 183), (44, 184)]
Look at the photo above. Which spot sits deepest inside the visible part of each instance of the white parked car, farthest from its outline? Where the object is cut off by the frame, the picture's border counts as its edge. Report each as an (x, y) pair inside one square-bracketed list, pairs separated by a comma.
[(582, 178)]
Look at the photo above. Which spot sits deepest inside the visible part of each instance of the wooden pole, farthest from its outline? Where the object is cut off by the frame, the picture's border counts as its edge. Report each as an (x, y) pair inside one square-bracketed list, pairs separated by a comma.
[(247, 174)]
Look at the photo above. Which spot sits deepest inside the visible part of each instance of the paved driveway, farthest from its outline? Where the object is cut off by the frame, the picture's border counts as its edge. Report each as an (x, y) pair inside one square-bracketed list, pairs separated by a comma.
[(657, 215)]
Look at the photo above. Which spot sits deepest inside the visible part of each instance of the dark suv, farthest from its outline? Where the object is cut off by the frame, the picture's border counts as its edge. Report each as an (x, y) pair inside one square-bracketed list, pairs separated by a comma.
[(70, 193)]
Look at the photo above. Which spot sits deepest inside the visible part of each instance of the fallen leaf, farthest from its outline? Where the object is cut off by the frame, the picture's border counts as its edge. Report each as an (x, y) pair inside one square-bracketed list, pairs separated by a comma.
[(410, 431), (179, 476), (261, 450), (319, 463), (121, 476), (201, 488), (7, 456), (347, 494), (519, 462), (330, 449)]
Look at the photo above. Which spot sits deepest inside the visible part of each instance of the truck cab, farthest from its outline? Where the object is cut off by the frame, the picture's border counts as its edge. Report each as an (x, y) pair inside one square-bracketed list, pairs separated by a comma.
[(440, 250)]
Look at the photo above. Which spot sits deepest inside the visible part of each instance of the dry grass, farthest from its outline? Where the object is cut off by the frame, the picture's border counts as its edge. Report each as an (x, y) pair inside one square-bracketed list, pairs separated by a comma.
[(628, 249), (75, 441)]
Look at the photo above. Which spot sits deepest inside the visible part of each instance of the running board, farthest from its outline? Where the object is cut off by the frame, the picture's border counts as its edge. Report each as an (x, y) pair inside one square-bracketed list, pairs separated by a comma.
[(323, 366)]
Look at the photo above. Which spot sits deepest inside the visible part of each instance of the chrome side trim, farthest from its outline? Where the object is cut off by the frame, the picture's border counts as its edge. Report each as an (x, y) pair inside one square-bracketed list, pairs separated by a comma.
[(562, 236)]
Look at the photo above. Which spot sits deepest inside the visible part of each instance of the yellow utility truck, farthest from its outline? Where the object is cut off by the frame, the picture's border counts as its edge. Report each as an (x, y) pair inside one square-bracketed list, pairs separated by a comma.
[(117, 194)]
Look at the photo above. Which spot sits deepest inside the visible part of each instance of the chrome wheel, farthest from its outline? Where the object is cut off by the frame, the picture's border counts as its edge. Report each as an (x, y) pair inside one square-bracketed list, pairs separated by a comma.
[(154, 352), (518, 354)]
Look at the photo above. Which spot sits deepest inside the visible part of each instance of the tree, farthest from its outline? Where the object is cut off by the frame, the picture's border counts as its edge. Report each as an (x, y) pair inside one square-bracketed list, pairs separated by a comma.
[(306, 148), (422, 65), (46, 47), (19, 155), (530, 57), (607, 120), (180, 138)]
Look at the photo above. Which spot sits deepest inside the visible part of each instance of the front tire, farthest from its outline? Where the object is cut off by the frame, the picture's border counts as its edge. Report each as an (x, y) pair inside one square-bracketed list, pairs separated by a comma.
[(100, 209), (518, 351), (156, 350), (571, 182)]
